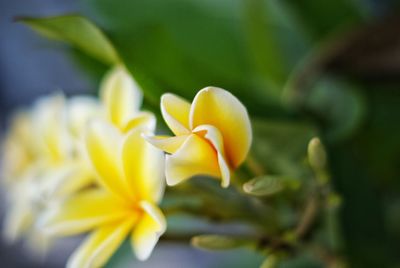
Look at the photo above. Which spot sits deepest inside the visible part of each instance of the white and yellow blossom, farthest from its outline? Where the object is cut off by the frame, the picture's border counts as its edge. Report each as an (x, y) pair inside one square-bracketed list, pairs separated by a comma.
[(130, 172), (212, 135), (44, 155), (119, 105), (35, 145)]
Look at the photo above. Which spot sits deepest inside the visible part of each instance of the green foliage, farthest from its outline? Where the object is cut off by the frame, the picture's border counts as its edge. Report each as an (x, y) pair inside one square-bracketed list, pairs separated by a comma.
[(267, 185), (254, 48), (283, 154), (218, 242), (76, 31)]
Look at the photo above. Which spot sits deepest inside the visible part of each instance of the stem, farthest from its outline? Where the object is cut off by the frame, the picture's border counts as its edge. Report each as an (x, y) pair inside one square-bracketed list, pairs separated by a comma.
[(308, 218), (177, 238), (254, 166)]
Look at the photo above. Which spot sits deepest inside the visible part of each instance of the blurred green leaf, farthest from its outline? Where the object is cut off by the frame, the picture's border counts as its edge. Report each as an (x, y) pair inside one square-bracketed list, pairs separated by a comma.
[(321, 18), (270, 262), (218, 242), (339, 104), (262, 39), (264, 185), (221, 43), (78, 32), (282, 145)]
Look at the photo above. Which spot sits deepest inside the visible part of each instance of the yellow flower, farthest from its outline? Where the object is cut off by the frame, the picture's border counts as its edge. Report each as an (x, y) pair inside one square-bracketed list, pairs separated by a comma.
[(130, 172), (35, 145), (41, 163), (119, 105), (212, 135), (17, 148)]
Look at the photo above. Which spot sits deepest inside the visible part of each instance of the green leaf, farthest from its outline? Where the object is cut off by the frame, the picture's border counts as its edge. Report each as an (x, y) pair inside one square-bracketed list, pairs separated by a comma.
[(320, 18), (339, 104), (78, 32), (219, 44), (270, 262), (218, 242), (269, 185), (264, 186), (282, 146)]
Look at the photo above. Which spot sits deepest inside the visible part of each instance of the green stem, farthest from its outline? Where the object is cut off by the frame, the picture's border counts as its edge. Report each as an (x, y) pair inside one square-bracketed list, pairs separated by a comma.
[(254, 166)]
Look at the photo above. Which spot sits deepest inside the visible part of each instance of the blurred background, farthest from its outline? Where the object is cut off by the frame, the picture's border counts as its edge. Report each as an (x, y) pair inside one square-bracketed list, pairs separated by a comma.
[(332, 67)]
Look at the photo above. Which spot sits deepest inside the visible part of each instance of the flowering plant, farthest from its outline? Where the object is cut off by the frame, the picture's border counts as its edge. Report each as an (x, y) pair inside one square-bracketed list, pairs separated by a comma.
[(240, 153)]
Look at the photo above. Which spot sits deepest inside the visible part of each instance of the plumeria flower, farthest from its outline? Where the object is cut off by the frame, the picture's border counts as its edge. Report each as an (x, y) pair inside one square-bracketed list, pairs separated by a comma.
[(34, 145), (40, 164), (130, 175), (212, 135), (18, 151), (120, 102), (18, 155)]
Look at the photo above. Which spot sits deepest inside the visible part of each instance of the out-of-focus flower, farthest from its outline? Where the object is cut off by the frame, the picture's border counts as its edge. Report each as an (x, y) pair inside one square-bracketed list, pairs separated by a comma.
[(119, 105), (44, 159), (130, 172), (18, 151), (35, 146), (213, 135)]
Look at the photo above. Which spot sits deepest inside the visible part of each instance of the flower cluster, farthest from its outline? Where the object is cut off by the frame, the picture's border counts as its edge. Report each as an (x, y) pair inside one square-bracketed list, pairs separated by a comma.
[(88, 165)]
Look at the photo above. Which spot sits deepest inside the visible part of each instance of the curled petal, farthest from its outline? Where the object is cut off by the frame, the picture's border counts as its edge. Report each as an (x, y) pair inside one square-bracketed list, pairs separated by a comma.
[(148, 230), (213, 135), (219, 108), (166, 144), (175, 111), (121, 96), (195, 157), (143, 167), (100, 246), (103, 144), (83, 212)]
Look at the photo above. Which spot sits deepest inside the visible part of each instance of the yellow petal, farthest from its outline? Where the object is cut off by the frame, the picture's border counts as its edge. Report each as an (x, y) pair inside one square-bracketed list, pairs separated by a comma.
[(219, 108), (21, 127), (148, 230), (121, 96), (103, 144), (66, 180), (166, 144), (144, 167), (143, 120), (83, 212), (195, 157), (175, 111), (50, 127), (213, 135), (15, 159), (97, 249)]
